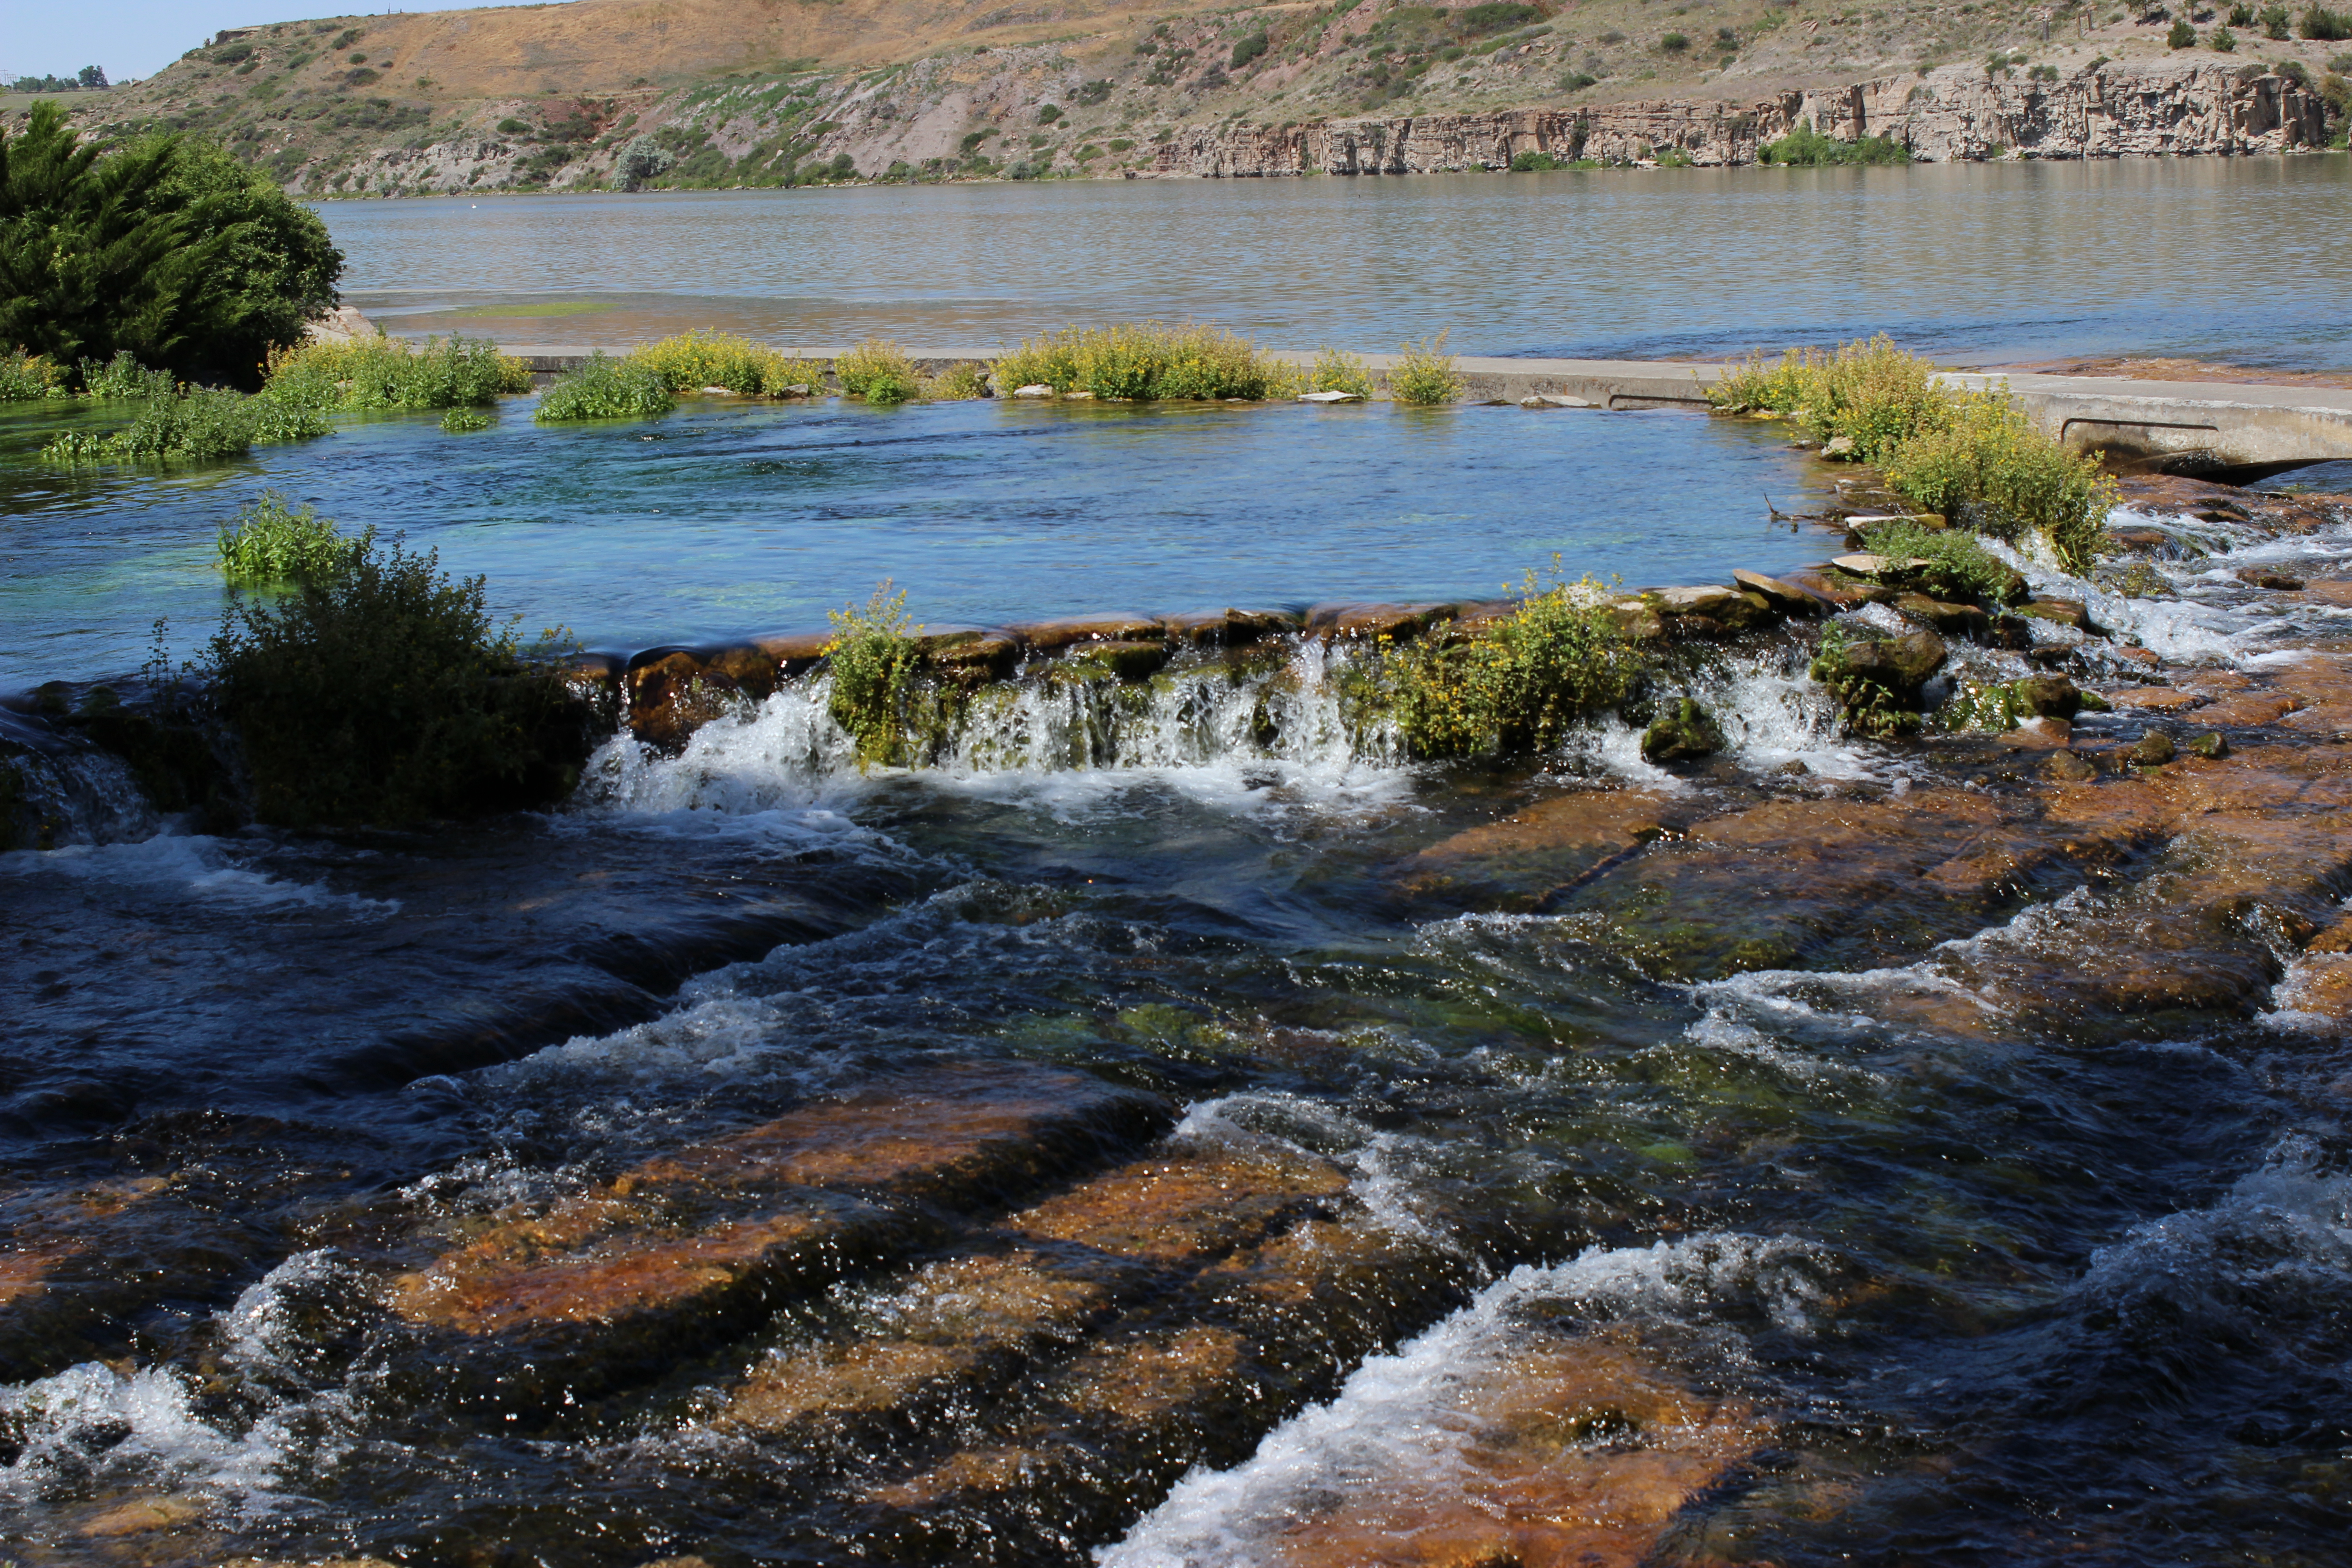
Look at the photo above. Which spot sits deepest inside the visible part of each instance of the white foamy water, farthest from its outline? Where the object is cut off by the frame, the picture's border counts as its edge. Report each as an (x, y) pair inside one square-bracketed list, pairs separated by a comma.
[(1406, 1420), (218, 871), (2284, 1228)]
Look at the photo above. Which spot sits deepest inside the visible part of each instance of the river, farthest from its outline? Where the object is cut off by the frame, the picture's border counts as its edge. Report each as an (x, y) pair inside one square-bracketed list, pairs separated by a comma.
[(1177, 1131)]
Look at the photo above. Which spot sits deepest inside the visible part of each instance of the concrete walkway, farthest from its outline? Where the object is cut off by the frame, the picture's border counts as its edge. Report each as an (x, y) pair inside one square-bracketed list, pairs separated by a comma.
[(2221, 428)]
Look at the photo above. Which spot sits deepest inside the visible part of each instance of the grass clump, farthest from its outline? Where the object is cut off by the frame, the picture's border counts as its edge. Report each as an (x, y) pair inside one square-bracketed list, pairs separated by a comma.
[(380, 690), (1517, 684), (692, 361), (1973, 457), (961, 384), (1958, 568), (606, 388), (874, 659), (878, 371), (123, 379), (1425, 374), (1143, 360), (267, 542), (1986, 468), (1805, 147), (29, 377), (392, 373), (1336, 371), (196, 424), (1871, 393)]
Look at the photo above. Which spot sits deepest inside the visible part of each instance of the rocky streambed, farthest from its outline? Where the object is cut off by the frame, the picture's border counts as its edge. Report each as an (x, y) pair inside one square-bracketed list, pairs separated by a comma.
[(1170, 1126)]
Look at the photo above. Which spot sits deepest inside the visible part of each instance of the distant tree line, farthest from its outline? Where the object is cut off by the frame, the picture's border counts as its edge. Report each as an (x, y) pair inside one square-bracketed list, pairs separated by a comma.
[(89, 80)]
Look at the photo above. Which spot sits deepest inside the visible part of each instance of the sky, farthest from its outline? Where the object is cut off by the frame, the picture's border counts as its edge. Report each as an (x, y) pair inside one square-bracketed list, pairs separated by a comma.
[(134, 38)]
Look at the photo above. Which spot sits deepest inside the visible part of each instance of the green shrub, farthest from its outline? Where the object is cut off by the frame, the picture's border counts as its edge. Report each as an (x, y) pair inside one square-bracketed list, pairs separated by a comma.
[(1989, 470), (393, 373), (1142, 361), (2328, 26), (463, 421), (878, 371), (2224, 41), (267, 543), (962, 383), (197, 423), (2274, 22), (1870, 392), (874, 660), (1515, 685), (1338, 372), (380, 690), (606, 388), (1958, 569), (694, 360), (123, 379), (167, 248), (1673, 43), (1806, 147), (1533, 163), (1249, 48), (1424, 372), (28, 377)]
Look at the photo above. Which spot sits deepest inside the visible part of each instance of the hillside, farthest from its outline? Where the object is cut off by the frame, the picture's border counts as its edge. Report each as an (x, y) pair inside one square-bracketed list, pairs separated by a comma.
[(602, 93)]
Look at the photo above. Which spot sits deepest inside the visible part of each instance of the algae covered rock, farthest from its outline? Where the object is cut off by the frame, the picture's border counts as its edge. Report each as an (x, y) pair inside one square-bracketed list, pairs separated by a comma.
[(2052, 696), (1686, 732), (2153, 750), (2211, 746), (1876, 680)]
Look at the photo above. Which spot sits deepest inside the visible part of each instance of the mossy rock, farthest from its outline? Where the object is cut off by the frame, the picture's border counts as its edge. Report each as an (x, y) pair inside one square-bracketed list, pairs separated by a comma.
[(1126, 660), (1684, 734)]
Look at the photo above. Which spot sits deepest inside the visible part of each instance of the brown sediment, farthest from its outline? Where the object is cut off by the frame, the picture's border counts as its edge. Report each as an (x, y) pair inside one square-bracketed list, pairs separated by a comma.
[(1546, 849), (2131, 367)]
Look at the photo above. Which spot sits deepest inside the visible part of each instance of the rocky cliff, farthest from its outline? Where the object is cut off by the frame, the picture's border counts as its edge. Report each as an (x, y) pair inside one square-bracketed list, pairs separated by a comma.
[(1955, 113)]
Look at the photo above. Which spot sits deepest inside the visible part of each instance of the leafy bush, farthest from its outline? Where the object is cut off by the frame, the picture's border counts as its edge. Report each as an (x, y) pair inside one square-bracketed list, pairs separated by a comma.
[(2224, 41), (463, 421), (1142, 361), (1424, 372), (2181, 35), (878, 371), (1870, 392), (393, 373), (1494, 15), (1249, 48), (2274, 22), (1673, 43), (168, 248), (196, 423), (28, 377), (874, 659), (692, 361), (123, 379), (1533, 163), (1958, 568), (2327, 25), (1517, 684), (268, 543), (379, 690), (1338, 372), (606, 388), (1989, 470), (961, 382), (1805, 147)]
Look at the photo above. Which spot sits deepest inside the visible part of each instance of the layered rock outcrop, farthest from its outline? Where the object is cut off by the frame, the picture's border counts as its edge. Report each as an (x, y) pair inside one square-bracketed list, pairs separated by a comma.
[(1952, 114)]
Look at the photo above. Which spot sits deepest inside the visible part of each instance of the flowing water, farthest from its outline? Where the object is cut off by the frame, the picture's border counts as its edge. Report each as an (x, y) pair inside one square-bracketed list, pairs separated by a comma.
[(1175, 1132)]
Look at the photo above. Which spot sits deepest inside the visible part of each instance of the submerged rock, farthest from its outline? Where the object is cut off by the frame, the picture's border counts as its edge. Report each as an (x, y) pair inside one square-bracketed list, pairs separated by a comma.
[(1877, 680), (2051, 695), (2211, 746), (1054, 636), (1126, 660), (1356, 618), (1682, 735), (2152, 750), (1942, 616)]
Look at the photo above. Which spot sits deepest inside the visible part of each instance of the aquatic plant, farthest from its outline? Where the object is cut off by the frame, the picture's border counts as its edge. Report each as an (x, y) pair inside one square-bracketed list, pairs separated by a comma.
[(1986, 468), (878, 371), (1146, 360), (268, 542), (194, 423), (28, 377), (1424, 372), (463, 421), (1336, 371), (961, 383), (1958, 567), (123, 379), (874, 659), (1515, 684), (694, 360), (166, 247), (393, 373), (606, 388), (380, 690), (1804, 147)]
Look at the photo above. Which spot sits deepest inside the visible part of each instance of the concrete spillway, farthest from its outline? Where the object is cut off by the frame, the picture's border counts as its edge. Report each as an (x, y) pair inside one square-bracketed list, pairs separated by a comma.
[(2222, 429)]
